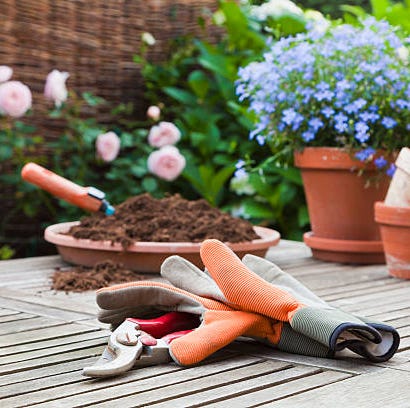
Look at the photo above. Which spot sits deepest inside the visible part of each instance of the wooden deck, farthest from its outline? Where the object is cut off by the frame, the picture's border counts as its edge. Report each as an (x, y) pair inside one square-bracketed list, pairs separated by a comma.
[(46, 338)]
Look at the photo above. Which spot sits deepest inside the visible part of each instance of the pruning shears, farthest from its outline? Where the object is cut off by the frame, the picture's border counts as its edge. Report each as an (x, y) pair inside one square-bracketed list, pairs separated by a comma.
[(141, 343), (88, 198)]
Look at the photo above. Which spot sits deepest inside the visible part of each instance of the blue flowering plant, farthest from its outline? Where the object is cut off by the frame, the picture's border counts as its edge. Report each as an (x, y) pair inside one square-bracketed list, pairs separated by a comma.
[(338, 86)]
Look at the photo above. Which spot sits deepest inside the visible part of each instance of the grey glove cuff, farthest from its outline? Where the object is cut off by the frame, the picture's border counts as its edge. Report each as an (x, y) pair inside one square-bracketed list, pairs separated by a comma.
[(333, 328), (378, 353)]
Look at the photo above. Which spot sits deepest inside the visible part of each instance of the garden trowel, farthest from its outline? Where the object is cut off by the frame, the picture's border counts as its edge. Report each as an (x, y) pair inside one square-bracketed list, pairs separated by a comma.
[(88, 198)]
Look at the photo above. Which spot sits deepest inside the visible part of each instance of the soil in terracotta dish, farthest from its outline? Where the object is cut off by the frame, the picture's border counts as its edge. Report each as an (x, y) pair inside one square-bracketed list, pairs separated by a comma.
[(170, 219), (144, 218)]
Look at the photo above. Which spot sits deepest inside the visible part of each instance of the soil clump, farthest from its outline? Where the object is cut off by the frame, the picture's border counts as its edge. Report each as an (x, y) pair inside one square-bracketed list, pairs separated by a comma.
[(83, 278)]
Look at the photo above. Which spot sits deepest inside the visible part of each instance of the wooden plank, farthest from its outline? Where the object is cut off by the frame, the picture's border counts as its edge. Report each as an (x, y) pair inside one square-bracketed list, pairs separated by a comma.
[(45, 353), (348, 365), (25, 348), (15, 317), (8, 312), (26, 325), (19, 305), (21, 378), (22, 265), (389, 388), (50, 360), (50, 302), (265, 397), (135, 381), (9, 340)]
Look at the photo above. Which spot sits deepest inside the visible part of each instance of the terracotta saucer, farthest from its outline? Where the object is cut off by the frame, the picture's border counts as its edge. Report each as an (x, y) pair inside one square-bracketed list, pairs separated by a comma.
[(144, 256), (345, 251)]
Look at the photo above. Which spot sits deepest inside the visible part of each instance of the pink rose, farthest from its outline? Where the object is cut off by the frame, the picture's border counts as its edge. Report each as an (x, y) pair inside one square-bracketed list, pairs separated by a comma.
[(166, 163), (55, 88), (154, 112), (5, 73), (163, 134), (15, 98), (108, 146)]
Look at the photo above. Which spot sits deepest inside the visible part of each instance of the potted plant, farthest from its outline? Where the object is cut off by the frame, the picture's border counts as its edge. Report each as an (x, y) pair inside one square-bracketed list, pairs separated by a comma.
[(337, 98)]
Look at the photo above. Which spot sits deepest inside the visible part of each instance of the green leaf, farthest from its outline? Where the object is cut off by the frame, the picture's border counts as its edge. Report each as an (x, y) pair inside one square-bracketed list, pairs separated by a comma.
[(303, 216), (91, 99), (6, 152), (199, 83), (150, 184), (258, 210), (180, 95)]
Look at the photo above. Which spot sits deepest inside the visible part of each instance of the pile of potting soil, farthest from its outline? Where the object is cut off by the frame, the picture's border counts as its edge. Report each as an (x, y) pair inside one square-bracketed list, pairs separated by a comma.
[(82, 278), (170, 219)]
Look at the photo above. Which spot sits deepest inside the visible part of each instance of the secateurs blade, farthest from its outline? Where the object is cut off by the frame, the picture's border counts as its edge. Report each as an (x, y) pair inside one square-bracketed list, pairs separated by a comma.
[(129, 345)]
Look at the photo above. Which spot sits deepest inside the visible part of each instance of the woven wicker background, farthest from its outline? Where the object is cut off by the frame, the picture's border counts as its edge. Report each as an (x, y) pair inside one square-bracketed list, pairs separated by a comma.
[(94, 40)]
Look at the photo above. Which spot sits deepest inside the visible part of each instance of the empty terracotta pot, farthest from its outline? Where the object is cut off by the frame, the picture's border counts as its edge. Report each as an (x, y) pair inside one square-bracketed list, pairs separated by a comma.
[(341, 206), (394, 225)]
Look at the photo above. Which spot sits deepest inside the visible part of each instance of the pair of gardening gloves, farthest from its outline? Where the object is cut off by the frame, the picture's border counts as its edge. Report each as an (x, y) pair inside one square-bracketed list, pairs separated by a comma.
[(251, 298)]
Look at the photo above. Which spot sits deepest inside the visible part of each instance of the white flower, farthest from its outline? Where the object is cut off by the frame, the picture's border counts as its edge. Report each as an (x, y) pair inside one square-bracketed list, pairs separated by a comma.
[(5, 73), (148, 38), (275, 9), (403, 54), (240, 183), (55, 88)]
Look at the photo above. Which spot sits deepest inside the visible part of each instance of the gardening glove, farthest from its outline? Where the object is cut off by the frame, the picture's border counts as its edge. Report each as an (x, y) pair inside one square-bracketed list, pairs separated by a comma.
[(185, 275), (380, 352), (292, 303), (220, 324)]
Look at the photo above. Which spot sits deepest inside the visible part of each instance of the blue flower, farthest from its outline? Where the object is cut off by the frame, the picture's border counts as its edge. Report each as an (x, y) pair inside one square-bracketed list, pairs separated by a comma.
[(327, 112), (388, 122), (315, 124), (361, 129), (365, 154), (380, 162), (308, 136), (391, 170)]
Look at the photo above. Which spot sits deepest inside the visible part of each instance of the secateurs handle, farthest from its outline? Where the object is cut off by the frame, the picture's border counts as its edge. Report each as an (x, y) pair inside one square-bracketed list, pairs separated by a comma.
[(167, 323), (88, 198)]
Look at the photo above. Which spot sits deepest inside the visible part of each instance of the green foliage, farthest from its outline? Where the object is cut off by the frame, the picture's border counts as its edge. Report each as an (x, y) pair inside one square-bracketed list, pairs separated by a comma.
[(6, 252), (396, 13)]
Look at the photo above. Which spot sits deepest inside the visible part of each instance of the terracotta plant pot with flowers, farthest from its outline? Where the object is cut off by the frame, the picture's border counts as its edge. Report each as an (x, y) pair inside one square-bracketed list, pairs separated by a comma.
[(338, 94)]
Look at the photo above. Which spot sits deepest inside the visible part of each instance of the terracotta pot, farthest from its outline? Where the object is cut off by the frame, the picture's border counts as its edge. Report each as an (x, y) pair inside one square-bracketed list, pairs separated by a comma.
[(394, 225), (145, 257), (340, 206)]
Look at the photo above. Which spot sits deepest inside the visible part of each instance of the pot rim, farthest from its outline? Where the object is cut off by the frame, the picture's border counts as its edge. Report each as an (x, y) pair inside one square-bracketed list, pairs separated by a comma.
[(391, 215), (330, 158)]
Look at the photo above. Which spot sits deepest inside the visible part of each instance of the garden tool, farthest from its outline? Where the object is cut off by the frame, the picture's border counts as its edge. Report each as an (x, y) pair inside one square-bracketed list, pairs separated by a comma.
[(88, 198), (141, 342), (219, 324), (289, 301)]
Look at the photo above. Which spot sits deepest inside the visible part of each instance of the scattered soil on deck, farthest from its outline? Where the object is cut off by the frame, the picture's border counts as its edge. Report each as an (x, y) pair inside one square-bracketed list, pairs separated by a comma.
[(170, 219), (82, 278), (144, 218)]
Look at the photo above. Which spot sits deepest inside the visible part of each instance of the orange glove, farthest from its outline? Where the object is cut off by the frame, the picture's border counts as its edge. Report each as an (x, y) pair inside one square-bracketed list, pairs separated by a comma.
[(289, 302), (220, 325)]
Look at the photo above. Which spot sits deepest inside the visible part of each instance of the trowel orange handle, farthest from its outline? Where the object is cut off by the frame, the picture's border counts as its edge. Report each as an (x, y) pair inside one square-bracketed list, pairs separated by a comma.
[(88, 198)]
